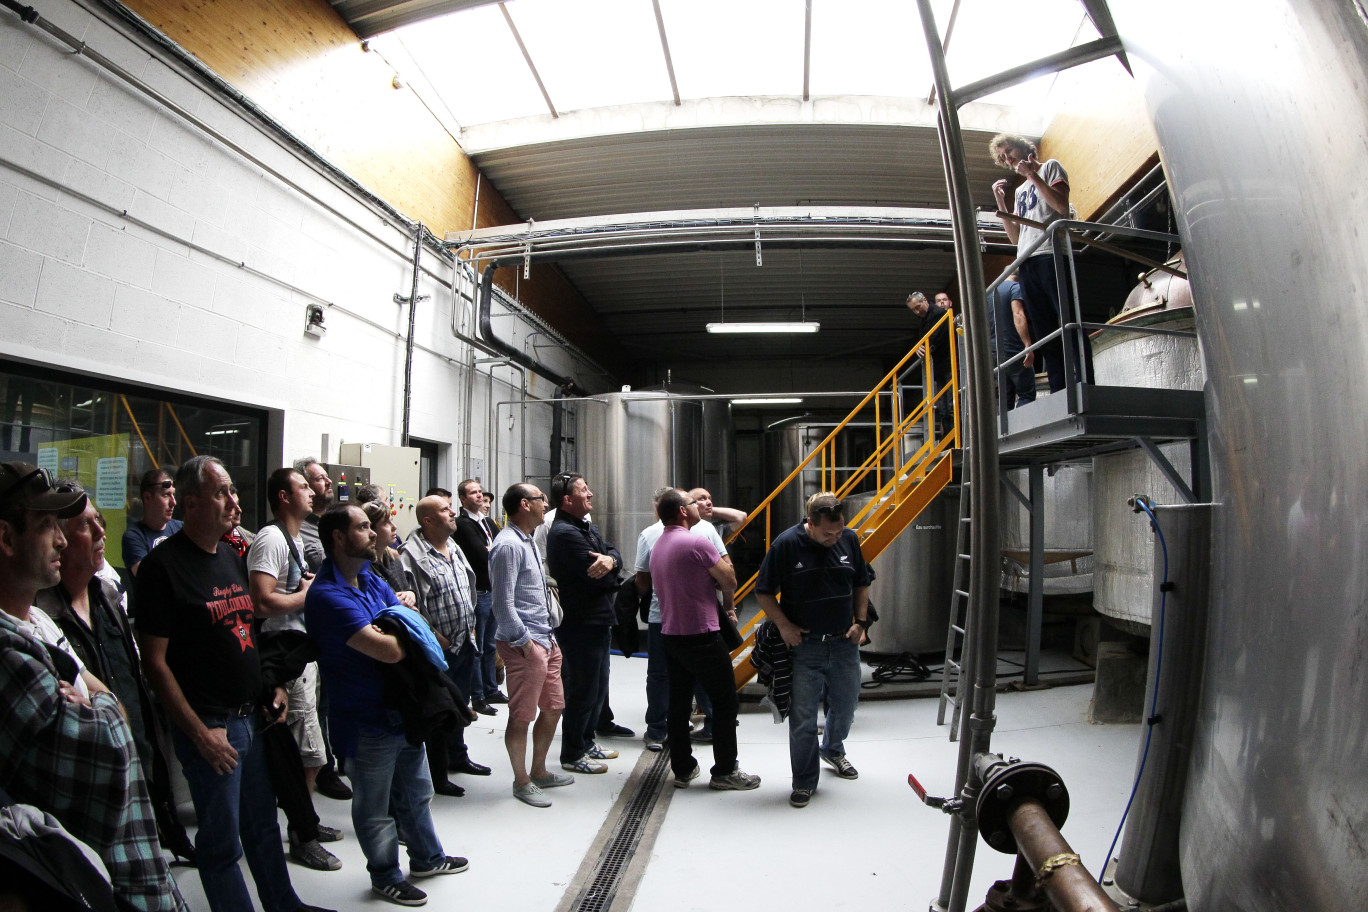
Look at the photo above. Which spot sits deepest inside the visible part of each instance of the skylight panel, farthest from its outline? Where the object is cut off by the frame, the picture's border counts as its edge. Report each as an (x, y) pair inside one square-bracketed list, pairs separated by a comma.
[(995, 35), (471, 59), (871, 47), (736, 47), (594, 53)]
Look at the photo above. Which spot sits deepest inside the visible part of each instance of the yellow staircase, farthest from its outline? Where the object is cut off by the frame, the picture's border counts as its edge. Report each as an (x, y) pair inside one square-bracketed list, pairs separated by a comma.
[(903, 483)]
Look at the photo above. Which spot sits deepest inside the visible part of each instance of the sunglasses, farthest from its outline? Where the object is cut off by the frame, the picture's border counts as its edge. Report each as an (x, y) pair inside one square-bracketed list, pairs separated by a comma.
[(834, 511), (43, 474)]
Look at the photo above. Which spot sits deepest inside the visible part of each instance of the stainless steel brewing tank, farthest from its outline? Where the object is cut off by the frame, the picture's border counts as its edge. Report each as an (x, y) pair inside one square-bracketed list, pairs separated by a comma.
[(1123, 566), (913, 577), (1068, 532), (630, 444)]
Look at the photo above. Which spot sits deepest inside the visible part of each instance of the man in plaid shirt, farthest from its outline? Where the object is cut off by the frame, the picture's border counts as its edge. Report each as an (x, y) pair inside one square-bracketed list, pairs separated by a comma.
[(446, 597), (71, 756)]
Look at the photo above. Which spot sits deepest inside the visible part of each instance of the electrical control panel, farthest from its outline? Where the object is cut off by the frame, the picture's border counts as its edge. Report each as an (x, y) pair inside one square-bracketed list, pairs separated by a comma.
[(347, 481), (396, 471)]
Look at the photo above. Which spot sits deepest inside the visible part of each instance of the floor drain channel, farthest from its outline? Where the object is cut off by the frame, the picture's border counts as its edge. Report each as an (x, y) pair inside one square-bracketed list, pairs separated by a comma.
[(598, 894)]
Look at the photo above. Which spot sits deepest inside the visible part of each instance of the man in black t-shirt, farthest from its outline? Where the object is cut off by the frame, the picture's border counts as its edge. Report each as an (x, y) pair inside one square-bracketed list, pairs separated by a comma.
[(195, 626)]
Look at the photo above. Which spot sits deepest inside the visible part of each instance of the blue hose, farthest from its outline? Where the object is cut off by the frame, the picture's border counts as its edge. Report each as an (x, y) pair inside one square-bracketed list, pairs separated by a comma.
[(1154, 698)]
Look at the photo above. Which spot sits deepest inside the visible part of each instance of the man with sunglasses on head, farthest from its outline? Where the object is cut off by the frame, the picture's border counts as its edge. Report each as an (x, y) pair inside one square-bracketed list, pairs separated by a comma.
[(527, 644), (818, 570), (67, 751), (158, 493)]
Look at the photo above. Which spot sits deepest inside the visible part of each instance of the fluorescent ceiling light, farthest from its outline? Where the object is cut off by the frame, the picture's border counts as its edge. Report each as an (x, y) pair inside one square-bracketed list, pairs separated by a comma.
[(763, 327), (767, 400)]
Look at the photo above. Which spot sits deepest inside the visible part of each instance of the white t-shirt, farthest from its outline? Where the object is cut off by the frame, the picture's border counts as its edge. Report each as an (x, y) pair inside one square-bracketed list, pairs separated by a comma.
[(646, 541), (269, 553), (1030, 204), (45, 629)]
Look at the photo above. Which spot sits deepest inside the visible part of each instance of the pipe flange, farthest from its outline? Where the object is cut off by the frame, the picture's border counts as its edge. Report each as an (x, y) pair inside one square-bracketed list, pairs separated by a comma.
[(1000, 898), (1007, 782)]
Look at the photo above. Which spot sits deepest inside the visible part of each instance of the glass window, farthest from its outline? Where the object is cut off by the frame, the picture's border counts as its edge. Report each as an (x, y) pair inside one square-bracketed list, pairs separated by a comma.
[(106, 435)]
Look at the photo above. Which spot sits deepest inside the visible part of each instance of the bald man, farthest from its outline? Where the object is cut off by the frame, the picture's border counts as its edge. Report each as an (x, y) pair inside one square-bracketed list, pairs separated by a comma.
[(445, 586)]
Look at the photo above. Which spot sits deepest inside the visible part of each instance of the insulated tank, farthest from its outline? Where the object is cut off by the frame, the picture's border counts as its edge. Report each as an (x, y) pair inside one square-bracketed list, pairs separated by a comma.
[(1262, 119), (1124, 559), (631, 443), (1068, 531)]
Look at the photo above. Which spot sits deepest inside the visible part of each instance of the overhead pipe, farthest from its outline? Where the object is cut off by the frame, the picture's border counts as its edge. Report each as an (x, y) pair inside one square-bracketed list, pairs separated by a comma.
[(486, 334), (408, 342)]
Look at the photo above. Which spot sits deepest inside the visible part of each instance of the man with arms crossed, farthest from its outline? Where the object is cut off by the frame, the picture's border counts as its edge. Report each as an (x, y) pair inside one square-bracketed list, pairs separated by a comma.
[(527, 645), (391, 783), (818, 569), (475, 533)]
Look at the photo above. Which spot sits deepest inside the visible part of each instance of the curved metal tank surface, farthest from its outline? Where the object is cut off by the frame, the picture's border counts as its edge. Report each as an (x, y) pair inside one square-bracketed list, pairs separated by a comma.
[(912, 579), (1068, 527), (1124, 558), (1262, 121), (629, 445)]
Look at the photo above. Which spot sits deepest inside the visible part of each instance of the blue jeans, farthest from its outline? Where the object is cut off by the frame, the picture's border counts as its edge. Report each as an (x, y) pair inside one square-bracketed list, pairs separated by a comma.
[(584, 674), (388, 772), (832, 666), (486, 680), (658, 688), (237, 816)]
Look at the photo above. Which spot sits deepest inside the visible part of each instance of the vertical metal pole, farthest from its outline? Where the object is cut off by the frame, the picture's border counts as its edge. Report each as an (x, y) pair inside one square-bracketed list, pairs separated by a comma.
[(1066, 345), (983, 461), (408, 347), (1035, 607)]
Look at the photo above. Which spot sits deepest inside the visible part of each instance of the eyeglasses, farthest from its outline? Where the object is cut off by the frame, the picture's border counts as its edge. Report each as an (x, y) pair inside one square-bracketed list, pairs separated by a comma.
[(538, 497), (44, 474), (690, 503)]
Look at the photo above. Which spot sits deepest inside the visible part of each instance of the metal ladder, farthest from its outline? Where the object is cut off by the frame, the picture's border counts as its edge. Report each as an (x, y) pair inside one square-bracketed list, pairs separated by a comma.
[(953, 673)]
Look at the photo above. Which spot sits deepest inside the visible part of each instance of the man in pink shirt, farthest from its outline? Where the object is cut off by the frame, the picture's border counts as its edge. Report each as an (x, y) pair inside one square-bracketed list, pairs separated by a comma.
[(686, 572)]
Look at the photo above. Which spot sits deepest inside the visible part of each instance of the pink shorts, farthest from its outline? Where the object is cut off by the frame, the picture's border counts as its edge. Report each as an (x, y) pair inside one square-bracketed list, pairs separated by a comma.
[(534, 681)]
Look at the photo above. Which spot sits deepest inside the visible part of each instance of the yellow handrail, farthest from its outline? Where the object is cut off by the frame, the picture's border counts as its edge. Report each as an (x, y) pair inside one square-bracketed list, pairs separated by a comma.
[(910, 470)]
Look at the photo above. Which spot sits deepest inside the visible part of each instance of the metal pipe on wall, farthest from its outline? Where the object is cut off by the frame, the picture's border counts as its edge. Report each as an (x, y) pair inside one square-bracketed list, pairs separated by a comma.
[(412, 322)]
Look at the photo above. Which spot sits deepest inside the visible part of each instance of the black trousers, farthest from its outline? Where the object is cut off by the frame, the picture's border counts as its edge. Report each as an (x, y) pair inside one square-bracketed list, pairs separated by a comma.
[(286, 770), (1043, 312), (705, 660)]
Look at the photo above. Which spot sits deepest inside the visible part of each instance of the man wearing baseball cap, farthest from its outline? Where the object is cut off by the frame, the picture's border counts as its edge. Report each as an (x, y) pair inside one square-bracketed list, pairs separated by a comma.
[(65, 746)]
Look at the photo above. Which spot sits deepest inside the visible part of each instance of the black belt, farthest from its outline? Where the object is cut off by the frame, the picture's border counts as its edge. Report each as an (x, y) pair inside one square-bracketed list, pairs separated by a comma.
[(240, 712), (823, 637)]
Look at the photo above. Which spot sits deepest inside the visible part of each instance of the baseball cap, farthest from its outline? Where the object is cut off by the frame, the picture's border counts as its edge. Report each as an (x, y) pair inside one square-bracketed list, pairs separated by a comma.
[(33, 488)]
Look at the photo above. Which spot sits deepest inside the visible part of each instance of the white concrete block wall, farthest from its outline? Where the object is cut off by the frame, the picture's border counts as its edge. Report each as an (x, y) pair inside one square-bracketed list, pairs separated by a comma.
[(83, 289)]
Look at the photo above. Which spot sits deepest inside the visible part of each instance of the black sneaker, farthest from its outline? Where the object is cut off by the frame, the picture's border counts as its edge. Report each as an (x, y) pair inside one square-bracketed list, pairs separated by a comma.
[(616, 731), (497, 696), (483, 708), (331, 785), (401, 894), (452, 864), (799, 798), (843, 767)]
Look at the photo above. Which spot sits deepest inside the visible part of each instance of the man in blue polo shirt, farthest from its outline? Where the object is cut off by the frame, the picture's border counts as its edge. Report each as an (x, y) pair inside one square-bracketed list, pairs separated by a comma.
[(386, 771), (817, 567)]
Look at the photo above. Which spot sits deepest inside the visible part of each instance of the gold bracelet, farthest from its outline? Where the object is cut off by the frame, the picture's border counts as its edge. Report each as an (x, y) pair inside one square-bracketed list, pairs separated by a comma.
[(1062, 860)]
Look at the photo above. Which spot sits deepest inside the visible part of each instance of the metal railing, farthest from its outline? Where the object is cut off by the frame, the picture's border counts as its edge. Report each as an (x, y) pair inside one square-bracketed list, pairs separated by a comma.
[(893, 468)]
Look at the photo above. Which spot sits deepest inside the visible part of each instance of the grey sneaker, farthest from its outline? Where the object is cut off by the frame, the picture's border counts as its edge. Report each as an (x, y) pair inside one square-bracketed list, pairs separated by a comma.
[(682, 782), (596, 752), (312, 855), (843, 767), (329, 834), (737, 780), (531, 794), (653, 744), (799, 798), (451, 864), (553, 780), (586, 765), (401, 894)]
